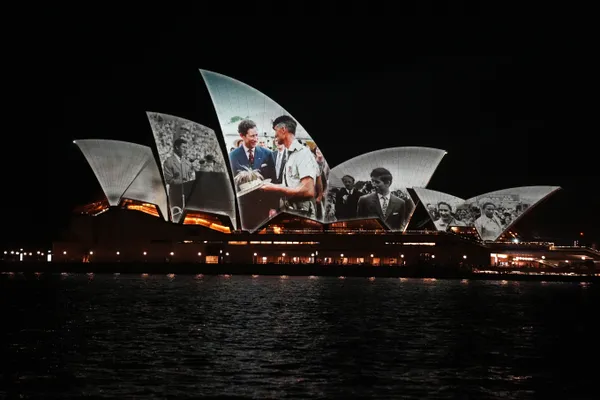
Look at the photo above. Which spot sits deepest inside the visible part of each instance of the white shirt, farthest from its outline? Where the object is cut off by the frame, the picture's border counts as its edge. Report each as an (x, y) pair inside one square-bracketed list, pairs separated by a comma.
[(300, 164)]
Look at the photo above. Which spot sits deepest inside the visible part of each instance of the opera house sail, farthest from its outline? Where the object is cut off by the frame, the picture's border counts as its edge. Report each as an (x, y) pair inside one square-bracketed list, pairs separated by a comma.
[(125, 171), (492, 214), (263, 174), (194, 169), (355, 184), (254, 128)]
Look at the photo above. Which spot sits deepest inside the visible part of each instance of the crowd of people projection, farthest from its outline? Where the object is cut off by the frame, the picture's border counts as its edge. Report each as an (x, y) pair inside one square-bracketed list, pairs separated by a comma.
[(490, 214), (193, 166), (489, 217)]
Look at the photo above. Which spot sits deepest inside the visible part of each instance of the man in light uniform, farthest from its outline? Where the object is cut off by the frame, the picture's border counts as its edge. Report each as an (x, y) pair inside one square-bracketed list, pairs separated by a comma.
[(300, 171), (488, 225)]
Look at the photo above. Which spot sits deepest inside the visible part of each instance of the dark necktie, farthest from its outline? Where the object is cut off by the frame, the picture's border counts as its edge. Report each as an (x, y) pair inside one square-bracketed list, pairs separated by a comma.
[(251, 157), (384, 206), (282, 167)]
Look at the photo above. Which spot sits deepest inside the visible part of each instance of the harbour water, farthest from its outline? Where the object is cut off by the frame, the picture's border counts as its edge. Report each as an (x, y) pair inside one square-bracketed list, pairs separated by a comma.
[(130, 336)]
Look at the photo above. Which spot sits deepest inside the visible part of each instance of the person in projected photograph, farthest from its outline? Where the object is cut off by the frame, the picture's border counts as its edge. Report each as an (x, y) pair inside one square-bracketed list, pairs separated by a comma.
[(298, 190), (193, 166), (346, 199), (382, 203), (446, 217), (249, 156)]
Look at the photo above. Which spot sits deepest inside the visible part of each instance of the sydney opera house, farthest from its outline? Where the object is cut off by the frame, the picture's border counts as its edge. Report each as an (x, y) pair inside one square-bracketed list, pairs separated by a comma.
[(259, 190)]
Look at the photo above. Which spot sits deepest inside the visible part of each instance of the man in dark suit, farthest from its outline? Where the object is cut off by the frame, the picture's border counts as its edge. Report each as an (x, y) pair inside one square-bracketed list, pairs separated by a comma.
[(346, 200), (279, 155), (389, 208), (256, 205), (250, 155)]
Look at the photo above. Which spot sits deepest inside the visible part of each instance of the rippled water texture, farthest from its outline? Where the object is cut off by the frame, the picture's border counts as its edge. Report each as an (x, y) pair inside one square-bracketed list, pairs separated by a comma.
[(134, 337)]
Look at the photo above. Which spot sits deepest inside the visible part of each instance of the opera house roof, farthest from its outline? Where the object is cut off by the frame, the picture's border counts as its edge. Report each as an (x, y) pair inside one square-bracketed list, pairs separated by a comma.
[(194, 172)]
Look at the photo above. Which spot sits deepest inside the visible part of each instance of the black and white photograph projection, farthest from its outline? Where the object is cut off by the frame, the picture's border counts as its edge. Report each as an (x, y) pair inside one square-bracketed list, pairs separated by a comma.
[(276, 165), (374, 185), (193, 166), (493, 213), (444, 209)]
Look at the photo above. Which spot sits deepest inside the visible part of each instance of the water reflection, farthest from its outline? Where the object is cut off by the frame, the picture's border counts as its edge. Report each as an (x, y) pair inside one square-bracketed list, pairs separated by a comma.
[(158, 336)]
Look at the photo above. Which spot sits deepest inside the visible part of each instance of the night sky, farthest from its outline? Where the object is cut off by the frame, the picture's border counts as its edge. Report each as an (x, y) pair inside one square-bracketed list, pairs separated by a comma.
[(510, 111)]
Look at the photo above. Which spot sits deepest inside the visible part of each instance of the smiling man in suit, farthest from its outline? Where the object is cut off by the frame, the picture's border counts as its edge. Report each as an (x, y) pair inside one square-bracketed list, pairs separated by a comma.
[(251, 155), (383, 204)]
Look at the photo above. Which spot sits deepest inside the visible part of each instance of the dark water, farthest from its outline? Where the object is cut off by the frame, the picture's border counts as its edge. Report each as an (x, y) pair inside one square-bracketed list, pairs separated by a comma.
[(159, 338)]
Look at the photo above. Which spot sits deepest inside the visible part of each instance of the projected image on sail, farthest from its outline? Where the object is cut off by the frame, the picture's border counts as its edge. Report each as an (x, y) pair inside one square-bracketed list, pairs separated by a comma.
[(276, 164), (193, 167), (444, 209), (399, 167), (493, 213)]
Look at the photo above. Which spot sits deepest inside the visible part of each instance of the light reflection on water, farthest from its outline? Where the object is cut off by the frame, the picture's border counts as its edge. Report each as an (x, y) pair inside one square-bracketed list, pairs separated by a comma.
[(186, 336)]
